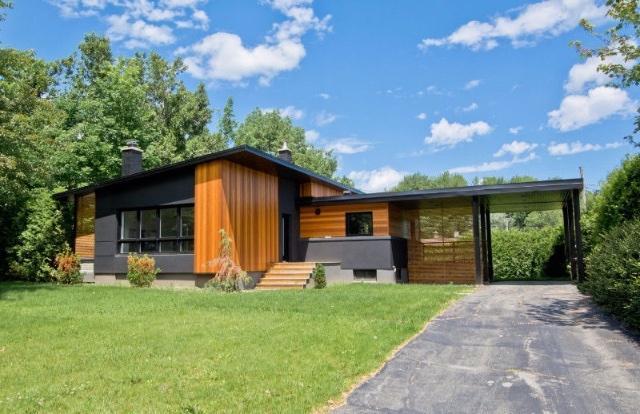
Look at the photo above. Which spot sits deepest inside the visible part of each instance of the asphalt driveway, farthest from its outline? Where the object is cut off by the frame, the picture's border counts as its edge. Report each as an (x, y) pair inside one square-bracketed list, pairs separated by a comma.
[(511, 348)]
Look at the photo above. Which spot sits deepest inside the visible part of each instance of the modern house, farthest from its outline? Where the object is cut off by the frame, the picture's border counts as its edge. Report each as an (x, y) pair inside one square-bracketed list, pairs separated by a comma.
[(283, 219)]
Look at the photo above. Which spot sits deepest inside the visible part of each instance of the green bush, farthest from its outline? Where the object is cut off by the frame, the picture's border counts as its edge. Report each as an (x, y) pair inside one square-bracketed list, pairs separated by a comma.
[(319, 276), (142, 270), (32, 258), (613, 272), (528, 254), (68, 267)]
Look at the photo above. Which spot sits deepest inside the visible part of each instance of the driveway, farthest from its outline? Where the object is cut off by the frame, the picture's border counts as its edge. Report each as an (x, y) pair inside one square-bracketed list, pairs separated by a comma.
[(511, 348)]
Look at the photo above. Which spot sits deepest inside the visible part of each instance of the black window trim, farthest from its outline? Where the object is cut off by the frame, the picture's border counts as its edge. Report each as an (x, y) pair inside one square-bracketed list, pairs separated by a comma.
[(346, 222), (158, 239)]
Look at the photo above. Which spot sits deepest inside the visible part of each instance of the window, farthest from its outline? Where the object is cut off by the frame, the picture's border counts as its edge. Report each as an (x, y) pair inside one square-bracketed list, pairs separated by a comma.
[(156, 230), (360, 224)]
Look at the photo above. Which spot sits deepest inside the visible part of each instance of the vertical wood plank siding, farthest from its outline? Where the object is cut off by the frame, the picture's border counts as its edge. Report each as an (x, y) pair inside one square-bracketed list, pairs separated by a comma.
[(85, 226), (242, 201), (315, 189), (332, 219)]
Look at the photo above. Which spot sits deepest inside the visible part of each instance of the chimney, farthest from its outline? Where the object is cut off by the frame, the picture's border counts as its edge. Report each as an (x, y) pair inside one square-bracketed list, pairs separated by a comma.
[(131, 158), (284, 153)]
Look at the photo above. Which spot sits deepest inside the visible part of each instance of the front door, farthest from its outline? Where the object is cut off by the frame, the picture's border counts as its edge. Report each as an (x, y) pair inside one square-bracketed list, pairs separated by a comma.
[(285, 235)]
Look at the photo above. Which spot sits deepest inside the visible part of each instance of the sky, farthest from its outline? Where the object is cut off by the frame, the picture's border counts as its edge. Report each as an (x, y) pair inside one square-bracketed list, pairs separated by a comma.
[(482, 88)]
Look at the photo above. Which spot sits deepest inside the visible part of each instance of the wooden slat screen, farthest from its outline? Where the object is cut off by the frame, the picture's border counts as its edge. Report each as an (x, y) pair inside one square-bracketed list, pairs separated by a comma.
[(316, 189), (331, 222), (85, 226), (244, 202)]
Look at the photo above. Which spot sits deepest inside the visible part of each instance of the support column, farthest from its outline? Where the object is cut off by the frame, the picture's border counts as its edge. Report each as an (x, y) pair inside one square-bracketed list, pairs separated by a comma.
[(483, 242), (567, 235), (572, 244), (487, 212), (475, 211), (578, 235)]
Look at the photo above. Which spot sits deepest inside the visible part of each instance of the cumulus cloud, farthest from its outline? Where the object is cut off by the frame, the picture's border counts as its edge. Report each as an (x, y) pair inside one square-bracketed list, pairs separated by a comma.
[(469, 108), (515, 148), (377, 180), (347, 146), (515, 130), (445, 133), (325, 118), (545, 18), (138, 33), (311, 135), (288, 111), (421, 116), (577, 111), (493, 165), (223, 56), (474, 83), (586, 74), (576, 147)]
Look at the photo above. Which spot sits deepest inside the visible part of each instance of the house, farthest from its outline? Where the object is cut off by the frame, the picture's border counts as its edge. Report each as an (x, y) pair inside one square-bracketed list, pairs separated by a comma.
[(283, 219)]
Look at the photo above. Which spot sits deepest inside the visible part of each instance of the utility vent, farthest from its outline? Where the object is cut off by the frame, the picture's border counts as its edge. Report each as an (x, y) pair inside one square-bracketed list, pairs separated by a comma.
[(365, 275)]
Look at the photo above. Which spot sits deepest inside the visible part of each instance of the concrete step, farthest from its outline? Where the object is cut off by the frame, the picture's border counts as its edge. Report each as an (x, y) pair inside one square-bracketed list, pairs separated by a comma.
[(285, 272), (268, 282)]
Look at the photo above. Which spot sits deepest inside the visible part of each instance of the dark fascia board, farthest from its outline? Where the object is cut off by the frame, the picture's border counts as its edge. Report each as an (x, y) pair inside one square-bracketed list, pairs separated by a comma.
[(469, 191), (239, 150)]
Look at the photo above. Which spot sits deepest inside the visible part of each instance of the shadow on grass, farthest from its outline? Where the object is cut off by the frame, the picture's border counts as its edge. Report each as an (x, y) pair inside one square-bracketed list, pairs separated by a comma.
[(23, 288)]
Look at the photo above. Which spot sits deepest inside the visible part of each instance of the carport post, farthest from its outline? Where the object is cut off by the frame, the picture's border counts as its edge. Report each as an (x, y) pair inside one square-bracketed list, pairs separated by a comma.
[(572, 232), (487, 220), (567, 234), (578, 241), (476, 238)]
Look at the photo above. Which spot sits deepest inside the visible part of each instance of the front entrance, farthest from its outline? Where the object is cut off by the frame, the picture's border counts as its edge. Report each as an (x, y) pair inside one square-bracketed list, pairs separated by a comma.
[(285, 237)]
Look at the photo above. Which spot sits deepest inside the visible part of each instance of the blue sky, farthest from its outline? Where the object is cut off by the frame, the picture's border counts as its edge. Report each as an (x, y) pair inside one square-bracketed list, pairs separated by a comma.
[(485, 88)]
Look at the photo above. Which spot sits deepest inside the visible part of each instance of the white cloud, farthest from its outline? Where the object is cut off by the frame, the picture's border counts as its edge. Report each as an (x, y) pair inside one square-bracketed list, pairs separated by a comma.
[(586, 74), (138, 33), (325, 118), (421, 116), (311, 135), (347, 146), (444, 133), (474, 83), (324, 95), (545, 18), (288, 111), (223, 56), (577, 111), (377, 180), (469, 108), (515, 130), (493, 165), (515, 148), (571, 148)]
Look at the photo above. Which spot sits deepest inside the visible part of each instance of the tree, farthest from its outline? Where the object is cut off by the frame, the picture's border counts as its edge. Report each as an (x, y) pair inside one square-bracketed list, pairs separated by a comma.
[(418, 181), (618, 41), (269, 130), (4, 4), (227, 125)]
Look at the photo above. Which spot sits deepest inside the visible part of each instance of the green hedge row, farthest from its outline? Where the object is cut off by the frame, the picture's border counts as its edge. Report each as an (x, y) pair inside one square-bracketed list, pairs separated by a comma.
[(528, 254)]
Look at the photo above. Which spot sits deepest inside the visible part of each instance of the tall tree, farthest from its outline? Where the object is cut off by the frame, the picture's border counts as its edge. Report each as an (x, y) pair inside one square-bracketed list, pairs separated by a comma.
[(227, 125), (419, 181)]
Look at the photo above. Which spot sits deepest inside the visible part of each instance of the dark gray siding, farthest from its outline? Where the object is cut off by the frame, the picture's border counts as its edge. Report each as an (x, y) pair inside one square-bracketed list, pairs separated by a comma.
[(176, 187), (287, 201), (377, 252)]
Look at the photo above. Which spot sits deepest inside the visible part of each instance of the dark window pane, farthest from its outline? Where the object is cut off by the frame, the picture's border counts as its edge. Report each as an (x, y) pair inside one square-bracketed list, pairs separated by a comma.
[(129, 247), (169, 246), (360, 224), (130, 228), (365, 274), (148, 246), (149, 224), (169, 222), (187, 246), (187, 221)]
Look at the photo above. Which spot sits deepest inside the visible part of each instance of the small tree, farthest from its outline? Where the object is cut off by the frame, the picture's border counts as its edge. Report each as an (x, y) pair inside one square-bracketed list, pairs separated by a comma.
[(319, 276), (230, 277), (142, 270)]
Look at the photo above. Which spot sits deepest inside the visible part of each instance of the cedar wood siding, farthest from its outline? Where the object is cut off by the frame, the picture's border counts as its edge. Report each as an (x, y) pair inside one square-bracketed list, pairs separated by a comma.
[(331, 222), (316, 189), (85, 226)]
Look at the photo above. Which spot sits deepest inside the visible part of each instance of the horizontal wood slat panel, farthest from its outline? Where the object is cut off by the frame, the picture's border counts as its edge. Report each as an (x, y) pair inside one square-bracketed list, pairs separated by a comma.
[(316, 189), (242, 201), (85, 226), (331, 222)]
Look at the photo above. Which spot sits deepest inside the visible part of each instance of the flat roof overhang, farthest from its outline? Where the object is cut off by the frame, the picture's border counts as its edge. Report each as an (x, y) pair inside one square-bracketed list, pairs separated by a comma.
[(528, 196)]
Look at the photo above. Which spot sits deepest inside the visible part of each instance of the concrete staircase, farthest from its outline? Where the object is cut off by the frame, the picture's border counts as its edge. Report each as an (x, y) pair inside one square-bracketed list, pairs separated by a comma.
[(287, 275)]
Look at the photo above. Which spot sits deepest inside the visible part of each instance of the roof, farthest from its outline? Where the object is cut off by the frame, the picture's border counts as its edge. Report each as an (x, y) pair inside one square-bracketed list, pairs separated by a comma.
[(243, 154), (502, 197)]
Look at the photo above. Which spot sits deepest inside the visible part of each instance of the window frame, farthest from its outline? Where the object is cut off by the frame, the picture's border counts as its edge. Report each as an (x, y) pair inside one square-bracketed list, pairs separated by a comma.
[(346, 223), (158, 239)]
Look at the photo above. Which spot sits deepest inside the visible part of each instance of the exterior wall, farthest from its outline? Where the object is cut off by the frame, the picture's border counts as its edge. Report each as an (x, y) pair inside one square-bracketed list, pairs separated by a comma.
[(331, 222), (316, 189), (85, 226), (336, 274), (174, 188), (288, 204), (242, 201)]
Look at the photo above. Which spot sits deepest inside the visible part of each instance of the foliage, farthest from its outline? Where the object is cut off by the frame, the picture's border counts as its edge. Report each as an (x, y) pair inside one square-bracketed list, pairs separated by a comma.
[(418, 181), (614, 272), (319, 276), (4, 4), (227, 124), (40, 241), (528, 254), (230, 277), (155, 341), (141, 270), (618, 41), (67, 267)]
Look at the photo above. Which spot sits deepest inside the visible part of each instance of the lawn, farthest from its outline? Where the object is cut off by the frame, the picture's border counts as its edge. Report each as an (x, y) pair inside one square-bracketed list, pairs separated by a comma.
[(117, 349)]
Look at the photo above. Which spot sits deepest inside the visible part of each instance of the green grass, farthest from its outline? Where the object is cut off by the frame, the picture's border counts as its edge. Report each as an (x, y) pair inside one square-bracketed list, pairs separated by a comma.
[(116, 349)]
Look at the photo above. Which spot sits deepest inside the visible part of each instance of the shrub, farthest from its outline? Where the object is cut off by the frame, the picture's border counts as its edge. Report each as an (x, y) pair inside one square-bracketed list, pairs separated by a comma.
[(613, 272), (32, 258), (230, 277), (528, 253), (67, 267), (319, 276), (142, 270)]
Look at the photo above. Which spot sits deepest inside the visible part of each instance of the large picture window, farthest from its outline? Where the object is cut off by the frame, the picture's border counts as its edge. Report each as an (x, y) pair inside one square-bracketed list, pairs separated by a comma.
[(360, 224), (156, 230)]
